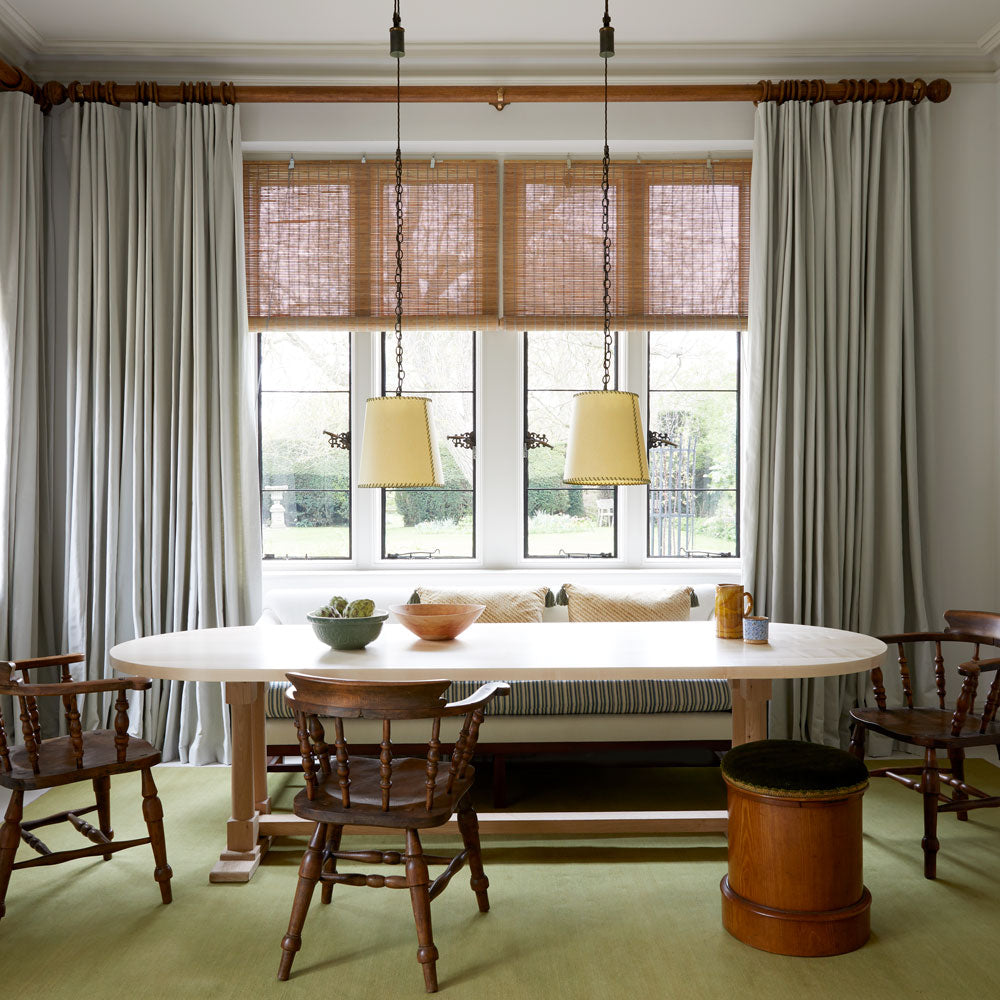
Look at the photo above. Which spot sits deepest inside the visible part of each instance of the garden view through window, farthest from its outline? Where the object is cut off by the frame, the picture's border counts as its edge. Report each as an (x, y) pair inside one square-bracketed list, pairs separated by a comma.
[(440, 522), (305, 390)]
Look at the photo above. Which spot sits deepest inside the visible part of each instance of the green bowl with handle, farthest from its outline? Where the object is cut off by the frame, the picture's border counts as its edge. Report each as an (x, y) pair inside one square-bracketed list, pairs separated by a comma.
[(348, 633)]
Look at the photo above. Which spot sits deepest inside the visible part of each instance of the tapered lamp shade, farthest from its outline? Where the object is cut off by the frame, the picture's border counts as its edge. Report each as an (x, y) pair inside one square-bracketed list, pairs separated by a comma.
[(399, 447), (606, 444)]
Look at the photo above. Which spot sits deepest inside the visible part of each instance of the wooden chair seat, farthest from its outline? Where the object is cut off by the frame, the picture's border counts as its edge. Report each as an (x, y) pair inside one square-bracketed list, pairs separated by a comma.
[(405, 792), (409, 795), (56, 759), (93, 756), (928, 727), (938, 728)]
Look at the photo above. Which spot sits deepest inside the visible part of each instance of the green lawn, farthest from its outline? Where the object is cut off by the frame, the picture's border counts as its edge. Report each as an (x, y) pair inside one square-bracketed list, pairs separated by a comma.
[(453, 542)]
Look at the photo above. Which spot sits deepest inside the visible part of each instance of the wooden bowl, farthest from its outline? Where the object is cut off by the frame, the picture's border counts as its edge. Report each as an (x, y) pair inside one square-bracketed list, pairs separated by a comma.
[(437, 621)]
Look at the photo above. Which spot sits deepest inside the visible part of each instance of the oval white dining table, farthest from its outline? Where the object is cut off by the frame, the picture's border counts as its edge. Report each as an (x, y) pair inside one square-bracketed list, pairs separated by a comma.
[(246, 658)]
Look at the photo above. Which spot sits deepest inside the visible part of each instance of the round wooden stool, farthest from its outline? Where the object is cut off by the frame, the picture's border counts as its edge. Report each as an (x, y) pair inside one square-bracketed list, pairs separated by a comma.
[(795, 881)]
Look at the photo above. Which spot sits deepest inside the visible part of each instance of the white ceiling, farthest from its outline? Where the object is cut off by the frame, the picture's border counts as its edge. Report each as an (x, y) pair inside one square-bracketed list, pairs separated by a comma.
[(344, 39)]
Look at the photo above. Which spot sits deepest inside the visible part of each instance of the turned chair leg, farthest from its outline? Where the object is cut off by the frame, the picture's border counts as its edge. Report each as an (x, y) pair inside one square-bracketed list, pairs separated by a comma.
[(930, 785), (957, 759), (309, 872), (468, 824), (858, 735), (102, 793), (418, 880), (152, 813), (10, 840), (330, 864)]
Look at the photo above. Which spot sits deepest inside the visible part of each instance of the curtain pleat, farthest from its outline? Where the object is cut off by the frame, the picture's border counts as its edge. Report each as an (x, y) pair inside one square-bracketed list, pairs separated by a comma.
[(25, 625), (839, 272), (160, 509)]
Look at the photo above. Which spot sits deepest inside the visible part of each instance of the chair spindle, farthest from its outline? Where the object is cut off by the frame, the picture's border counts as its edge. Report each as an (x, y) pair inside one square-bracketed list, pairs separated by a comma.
[(474, 723), (320, 747), (74, 728), (28, 732), (966, 700), (4, 750), (433, 757), (992, 703), (121, 726), (305, 748), (458, 753), (904, 676), (343, 763), (385, 763), (878, 688), (939, 677)]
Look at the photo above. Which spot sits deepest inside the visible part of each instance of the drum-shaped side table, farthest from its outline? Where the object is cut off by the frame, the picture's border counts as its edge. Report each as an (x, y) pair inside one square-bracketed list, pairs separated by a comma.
[(795, 883)]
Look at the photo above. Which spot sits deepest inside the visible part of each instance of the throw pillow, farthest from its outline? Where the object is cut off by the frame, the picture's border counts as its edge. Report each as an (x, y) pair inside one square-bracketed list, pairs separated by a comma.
[(608, 604), (502, 604)]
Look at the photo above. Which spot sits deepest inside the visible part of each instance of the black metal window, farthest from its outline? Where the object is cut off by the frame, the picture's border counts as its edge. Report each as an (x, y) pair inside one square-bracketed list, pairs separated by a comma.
[(562, 521), (694, 400), (438, 522), (304, 407)]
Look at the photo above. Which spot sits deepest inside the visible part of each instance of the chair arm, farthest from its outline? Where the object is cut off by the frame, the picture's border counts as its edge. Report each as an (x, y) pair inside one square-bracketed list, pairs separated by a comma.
[(38, 662), (479, 697), (64, 688), (976, 667), (946, 636)]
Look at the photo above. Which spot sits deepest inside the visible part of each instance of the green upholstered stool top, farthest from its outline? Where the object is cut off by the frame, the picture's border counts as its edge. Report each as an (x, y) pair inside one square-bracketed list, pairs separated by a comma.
[(793, 769)]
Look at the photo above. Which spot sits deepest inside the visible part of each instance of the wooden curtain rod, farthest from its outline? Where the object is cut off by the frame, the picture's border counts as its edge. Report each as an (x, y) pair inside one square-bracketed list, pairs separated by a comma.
[(49, 94)]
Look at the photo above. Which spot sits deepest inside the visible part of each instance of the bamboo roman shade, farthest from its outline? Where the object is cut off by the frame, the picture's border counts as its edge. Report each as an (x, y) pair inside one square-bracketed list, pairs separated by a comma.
[(680, 243), (321, 243)]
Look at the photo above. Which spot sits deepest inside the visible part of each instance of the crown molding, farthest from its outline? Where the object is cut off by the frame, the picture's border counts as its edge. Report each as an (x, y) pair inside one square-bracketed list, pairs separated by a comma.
[(505, 63), (19, 39), (990, 44)]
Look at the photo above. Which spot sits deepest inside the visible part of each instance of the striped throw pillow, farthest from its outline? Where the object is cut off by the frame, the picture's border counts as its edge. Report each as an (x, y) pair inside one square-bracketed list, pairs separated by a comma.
[(502, 605), (609, 604)]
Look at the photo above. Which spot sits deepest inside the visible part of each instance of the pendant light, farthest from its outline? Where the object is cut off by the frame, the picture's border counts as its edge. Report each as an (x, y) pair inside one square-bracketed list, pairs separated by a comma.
[(399, 445), (606, 444)]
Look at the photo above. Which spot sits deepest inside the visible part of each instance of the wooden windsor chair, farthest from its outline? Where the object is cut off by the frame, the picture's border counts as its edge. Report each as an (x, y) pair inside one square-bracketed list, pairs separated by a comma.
[(405, 793), (940, 728), (79, 756)]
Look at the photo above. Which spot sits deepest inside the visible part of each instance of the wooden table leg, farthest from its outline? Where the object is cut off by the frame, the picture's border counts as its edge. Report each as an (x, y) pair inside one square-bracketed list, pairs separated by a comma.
[(243, 850), (750, 698), (259, 707)]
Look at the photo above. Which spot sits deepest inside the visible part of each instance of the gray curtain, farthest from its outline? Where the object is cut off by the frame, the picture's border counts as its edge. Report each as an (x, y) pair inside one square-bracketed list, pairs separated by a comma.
[(25, 626), (839, 280), (153, 393)]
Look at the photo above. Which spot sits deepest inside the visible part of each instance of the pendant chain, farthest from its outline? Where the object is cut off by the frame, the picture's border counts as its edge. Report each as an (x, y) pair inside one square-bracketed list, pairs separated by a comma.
[(605, 225), (400, 374)]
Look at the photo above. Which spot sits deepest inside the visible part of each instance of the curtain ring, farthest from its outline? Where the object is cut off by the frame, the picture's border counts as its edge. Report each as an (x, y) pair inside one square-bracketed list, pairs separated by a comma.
[(919, 88)]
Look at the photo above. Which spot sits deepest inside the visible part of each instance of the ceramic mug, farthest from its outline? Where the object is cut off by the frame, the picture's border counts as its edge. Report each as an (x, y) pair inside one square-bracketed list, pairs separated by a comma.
[(732, 605), (755, 629)]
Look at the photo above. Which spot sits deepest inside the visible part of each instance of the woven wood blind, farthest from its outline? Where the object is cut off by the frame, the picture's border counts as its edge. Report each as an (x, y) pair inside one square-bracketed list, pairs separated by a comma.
[(321, 243), (680, 243)]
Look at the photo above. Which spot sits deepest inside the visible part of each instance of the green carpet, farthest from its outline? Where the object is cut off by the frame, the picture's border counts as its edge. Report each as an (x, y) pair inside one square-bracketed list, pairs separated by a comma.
[(569, 919)]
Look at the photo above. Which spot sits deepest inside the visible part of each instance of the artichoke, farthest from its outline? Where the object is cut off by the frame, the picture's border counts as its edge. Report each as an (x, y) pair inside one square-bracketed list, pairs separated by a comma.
[(362, 608), (339, 604)]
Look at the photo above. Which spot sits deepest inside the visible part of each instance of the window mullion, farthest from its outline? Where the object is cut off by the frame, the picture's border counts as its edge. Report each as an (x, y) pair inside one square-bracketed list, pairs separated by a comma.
[(366, 503)]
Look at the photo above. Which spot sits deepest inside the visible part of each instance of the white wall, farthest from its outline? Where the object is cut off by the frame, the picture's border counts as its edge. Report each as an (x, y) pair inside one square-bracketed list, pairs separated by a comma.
[(961, 481)]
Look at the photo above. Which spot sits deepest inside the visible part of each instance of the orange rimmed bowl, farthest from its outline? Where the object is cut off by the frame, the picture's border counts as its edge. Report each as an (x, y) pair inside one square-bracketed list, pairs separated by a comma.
[(437, 621)]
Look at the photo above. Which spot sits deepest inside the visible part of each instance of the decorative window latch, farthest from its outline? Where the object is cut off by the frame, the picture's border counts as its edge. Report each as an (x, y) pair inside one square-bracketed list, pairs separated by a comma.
[(535, 440), (342, 440), (657, 439), (465, 440)]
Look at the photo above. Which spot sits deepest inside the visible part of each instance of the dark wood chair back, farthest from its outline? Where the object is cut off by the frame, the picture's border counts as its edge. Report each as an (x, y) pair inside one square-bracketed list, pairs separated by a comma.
[(315, 698), (936, 729), (975, 628), (78, 756)]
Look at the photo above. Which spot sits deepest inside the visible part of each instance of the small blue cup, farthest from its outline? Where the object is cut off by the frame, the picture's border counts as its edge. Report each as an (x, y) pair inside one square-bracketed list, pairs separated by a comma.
[(755, 629)]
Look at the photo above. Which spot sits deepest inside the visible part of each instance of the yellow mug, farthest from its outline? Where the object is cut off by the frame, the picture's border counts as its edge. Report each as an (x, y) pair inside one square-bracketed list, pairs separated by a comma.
[(732, 605)]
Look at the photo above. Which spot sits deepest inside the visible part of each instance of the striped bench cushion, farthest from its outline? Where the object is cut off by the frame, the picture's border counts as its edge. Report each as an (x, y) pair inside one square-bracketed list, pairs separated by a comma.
[(575, 697)]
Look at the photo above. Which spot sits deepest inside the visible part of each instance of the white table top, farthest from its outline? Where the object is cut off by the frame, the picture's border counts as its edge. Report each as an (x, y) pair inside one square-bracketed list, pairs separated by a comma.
[(552, 651)]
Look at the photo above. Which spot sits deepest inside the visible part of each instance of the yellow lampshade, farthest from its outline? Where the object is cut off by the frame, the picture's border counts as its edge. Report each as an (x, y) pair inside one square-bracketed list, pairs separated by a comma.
[(399, 446), (606, 444)]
